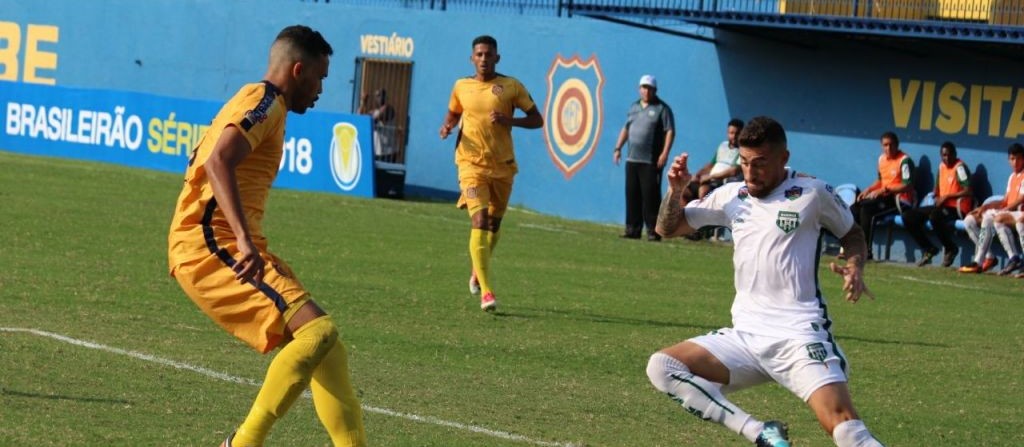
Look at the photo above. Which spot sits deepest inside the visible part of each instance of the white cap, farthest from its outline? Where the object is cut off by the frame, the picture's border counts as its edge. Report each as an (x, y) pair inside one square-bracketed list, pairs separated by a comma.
[(648, 80)]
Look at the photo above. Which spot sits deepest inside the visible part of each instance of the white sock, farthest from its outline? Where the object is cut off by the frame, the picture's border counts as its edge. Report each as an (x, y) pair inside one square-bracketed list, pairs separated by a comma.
[(699, 396), (972, 229), (1020, 233), (853, 433), (1006, 238), (974, 232), (984, 239)]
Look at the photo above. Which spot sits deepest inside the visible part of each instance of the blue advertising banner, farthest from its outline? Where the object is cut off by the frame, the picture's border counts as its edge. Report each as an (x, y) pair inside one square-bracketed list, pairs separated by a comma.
[(327, 152)]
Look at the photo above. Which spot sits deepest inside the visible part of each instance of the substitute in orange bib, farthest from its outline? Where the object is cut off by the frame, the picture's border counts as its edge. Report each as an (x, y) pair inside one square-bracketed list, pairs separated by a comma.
[(997, 217), (218, 253), (952, 199), (894, 187), (485, 103)]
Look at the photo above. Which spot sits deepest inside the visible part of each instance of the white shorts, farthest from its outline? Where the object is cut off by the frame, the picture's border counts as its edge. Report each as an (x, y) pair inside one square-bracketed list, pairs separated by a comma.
[(988, 217), (801, 366), (1016, 215)]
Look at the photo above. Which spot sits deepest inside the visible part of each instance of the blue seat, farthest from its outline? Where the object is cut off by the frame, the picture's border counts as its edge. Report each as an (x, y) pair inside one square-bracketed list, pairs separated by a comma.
[(890, 219), (993, 199), (959, 224), (929, 200), (847, 192)]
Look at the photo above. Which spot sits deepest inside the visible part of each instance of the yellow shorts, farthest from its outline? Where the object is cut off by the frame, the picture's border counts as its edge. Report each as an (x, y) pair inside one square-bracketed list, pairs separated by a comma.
[(253, 314), (482, 192)]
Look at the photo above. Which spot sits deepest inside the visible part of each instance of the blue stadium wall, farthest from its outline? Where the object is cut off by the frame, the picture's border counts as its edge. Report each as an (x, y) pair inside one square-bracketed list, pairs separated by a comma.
[(835, 96)]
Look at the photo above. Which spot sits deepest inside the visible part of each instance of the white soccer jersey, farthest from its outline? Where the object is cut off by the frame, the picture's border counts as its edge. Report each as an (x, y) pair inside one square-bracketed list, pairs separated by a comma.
[(777, 252)]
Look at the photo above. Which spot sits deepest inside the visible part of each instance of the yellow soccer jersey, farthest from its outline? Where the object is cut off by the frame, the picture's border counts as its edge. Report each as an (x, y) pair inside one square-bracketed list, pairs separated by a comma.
[(199, 225), (481, 144)]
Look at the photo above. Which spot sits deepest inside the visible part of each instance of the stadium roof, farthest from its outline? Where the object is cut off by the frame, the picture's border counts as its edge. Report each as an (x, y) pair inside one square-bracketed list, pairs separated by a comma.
[(964, 20)]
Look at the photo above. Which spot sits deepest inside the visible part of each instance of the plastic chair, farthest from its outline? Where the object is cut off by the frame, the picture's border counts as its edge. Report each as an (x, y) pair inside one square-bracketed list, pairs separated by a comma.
[(897, 221), (889, 219), (847, 192), (928, 200), (959, 223), (992, 199)]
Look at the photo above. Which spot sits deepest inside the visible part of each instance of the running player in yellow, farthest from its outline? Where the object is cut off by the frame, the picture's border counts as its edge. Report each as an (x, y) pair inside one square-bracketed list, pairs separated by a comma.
[(218, 253), (486, 102)]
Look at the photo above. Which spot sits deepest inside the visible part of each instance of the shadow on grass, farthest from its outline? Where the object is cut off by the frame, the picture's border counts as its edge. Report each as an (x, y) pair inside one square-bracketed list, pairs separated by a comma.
[(893, 342), (7, 392), (530, 312)]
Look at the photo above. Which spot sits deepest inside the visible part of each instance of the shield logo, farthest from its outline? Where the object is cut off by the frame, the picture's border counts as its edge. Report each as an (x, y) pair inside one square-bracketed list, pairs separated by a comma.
[(816, 351), (346, 162), (794, 193), (573, 112), (787, 221)]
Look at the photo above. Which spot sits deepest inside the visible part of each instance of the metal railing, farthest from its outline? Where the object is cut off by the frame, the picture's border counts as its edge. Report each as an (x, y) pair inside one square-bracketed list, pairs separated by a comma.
[(991, 12), (523, 7)]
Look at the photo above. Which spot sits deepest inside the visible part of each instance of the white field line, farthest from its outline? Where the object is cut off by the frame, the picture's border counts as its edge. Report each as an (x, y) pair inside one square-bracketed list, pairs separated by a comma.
[(940, 283), (547, 228), (523, 210), (234, 379)]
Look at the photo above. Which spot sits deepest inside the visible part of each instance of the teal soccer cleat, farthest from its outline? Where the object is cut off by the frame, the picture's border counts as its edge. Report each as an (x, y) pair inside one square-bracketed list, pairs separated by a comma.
[(774, 434)]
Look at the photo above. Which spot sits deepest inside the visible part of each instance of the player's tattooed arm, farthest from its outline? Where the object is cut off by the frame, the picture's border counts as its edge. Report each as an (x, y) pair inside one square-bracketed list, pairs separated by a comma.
[(671, 217), (855, 248)]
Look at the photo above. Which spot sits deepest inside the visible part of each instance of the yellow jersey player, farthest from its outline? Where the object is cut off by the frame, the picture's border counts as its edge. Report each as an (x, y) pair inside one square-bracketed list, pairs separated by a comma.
[(486, 103), (218, 253)]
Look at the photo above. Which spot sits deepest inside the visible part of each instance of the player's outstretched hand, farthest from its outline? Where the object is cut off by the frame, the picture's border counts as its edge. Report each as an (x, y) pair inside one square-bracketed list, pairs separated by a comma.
[(678, 174), (249, 265), (853, 281)]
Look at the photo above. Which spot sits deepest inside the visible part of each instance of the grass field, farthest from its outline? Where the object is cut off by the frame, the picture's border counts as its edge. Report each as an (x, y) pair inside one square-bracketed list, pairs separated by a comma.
[(936, 360)]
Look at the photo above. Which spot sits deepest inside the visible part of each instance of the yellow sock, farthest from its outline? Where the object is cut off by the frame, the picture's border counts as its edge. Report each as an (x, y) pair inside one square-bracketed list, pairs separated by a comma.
[(288, 375), (336, 402), (480, 255)]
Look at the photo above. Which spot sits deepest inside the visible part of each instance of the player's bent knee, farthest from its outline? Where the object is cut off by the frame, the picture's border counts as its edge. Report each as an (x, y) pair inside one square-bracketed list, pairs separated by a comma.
[(660, 367), (321, 331), (330, 337)]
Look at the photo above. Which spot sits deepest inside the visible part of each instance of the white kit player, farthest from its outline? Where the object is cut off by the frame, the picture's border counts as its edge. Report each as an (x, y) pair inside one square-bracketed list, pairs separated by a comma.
[(781, 327)]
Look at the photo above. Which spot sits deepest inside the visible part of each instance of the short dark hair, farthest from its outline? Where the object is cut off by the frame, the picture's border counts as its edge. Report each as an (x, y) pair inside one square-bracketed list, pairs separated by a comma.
[(949, 146), (1015, 149), (737, 123), (763, 130), (487, 40), (306, 40), (892, 136)]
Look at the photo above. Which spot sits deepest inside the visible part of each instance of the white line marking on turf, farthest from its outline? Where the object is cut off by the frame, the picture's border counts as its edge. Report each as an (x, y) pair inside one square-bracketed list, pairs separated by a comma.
[(939, 283), (523, 210), (234, 379), (547, 228)]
